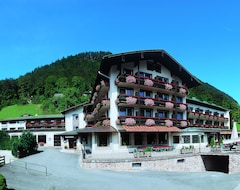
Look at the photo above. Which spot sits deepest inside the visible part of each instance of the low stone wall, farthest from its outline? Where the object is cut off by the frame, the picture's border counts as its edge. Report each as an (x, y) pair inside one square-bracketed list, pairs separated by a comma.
[(189, 163), (234, 163)]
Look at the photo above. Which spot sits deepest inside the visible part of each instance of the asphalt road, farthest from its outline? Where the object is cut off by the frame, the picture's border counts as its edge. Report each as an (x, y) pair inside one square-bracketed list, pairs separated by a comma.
[(64, 173)]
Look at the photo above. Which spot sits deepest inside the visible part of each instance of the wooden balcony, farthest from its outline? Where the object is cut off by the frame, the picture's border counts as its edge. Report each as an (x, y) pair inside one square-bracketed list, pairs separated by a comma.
[(204, 116), (154, 85), (151, 121), (144, 102)]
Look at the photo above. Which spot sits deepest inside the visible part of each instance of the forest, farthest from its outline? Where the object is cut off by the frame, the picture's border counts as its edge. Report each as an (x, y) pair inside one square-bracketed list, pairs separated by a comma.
[(69, 81)]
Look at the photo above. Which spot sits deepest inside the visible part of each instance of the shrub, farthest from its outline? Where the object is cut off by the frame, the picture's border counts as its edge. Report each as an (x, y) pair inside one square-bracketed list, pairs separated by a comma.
[(26, 145), (3, 184)]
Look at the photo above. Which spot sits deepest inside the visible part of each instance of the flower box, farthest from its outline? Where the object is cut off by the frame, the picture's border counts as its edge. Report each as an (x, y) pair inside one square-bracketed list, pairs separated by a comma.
[(131, 100), (150, 122), (168, 123), (148, 82), (169, 105), (149, 102), (182, 90), (130, 79), (130, 121), (168, 86)]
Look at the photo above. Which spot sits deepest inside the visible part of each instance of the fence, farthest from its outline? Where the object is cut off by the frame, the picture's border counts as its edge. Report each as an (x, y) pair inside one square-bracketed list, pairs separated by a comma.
[(2, 160), (30, 166)]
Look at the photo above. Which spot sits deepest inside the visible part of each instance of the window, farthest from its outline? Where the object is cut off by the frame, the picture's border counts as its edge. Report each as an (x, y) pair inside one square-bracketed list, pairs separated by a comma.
[(125, 139), (57, 140), (145, 93), (179, 116), (163, 79), (125, 111), (162, 114), (84, 138), (154, 66), (163, 96), (103, 139), (151, 139), (146, 112), (75, 117), (42, 138), (179, 99), (195, 139), (127, 91), (186, 138), (128, 71), (144, 75), (176, 139), (138, 140), (190, 108)]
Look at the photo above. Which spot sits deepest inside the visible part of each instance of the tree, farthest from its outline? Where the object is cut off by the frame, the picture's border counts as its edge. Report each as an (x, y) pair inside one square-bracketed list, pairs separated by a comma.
[(26, 145)]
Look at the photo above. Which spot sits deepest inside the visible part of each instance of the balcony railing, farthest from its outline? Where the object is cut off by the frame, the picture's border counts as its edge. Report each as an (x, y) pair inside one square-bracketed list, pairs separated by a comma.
[(100, 92), (45, 124), (204, 116), (150, 121), (155, 84), (201, 125), (124, 100), (98, 110)]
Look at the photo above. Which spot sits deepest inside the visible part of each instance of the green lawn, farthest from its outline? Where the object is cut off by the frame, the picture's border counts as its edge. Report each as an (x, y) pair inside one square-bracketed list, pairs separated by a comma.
[(18, 110)]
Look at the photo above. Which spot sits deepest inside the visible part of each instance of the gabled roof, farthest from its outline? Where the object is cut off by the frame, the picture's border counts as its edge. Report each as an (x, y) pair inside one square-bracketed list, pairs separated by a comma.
[(205, 104), (73, 108), (160, 56)]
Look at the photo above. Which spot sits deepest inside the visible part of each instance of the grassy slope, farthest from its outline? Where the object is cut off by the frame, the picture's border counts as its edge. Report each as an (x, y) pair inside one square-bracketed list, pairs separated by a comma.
[(18, 110)]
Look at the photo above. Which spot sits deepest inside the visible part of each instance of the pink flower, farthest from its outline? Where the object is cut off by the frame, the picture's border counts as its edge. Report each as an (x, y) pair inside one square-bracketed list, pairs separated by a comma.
[(183, 123), (106, 122), (148, 82), (118, 122), (168, 123), (105, 102), (182, 107), (130, 121), (102, 83), (169, 105), (98, 87), (131, 100), (130, 79), (148, 102), (150, 122), (182, 90), (168, 86)]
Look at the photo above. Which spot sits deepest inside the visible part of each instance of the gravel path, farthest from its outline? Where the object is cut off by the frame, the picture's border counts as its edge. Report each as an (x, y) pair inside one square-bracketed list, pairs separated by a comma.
[(64, 173)]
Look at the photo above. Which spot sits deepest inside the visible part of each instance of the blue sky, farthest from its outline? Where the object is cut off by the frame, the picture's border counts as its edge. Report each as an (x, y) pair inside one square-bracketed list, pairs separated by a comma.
[(203, 36)]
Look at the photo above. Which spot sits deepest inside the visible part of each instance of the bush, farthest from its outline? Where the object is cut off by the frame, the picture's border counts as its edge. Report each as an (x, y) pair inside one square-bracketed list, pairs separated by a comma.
[(25, 146), (3, 184)]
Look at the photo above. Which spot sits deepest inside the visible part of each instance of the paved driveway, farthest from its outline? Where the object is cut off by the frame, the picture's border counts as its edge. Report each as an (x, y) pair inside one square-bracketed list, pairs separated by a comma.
[(64, 173)]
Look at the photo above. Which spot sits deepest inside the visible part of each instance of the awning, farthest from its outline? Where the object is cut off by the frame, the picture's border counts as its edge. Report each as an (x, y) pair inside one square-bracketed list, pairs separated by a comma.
[(70, 133), (227, 132), (99, 129), (151, 129)]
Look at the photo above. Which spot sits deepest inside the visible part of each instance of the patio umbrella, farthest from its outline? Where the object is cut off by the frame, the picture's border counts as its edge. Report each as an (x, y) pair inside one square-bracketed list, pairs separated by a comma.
[(234, 134)]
